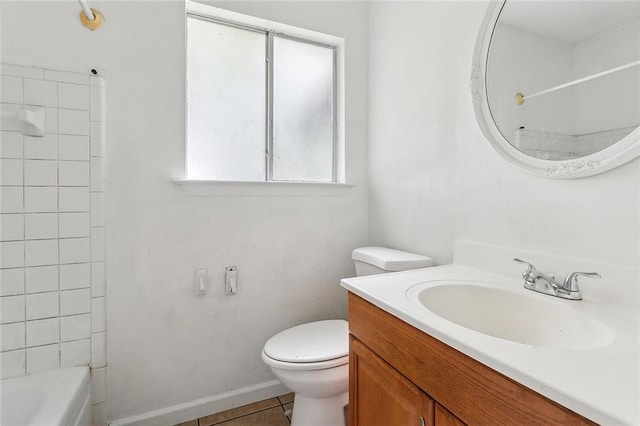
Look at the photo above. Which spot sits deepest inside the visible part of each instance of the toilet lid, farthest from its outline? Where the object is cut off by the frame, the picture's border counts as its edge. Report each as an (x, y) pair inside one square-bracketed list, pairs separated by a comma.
[(311, 342)]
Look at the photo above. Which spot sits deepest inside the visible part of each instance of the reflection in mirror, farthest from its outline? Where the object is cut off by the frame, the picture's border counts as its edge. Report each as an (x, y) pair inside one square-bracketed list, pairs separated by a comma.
[(563, 77)]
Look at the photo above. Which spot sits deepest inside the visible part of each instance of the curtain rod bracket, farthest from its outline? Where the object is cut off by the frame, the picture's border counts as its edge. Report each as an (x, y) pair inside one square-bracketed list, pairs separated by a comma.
[(92, 24)]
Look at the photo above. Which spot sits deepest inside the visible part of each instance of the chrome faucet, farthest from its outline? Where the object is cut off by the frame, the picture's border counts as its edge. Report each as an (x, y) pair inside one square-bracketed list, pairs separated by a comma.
[(547, 284)]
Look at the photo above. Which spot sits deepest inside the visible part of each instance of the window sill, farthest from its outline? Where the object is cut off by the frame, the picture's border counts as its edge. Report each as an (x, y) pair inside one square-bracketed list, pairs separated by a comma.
[(262, 189)]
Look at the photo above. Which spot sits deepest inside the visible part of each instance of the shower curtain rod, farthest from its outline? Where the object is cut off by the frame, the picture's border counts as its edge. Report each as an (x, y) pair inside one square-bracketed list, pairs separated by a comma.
[(520, 98), (90, 18)]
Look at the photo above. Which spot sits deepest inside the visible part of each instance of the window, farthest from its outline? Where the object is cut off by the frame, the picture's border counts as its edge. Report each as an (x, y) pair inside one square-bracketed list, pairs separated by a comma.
[(261, 102)]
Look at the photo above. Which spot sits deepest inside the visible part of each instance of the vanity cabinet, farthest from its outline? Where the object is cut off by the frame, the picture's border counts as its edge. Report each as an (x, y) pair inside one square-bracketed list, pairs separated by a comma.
[(445, 418), (382, 396), (399, 374)]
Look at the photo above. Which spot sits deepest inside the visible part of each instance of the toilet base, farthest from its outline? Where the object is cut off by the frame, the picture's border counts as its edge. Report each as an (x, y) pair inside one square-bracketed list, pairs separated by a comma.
[(319, 411)]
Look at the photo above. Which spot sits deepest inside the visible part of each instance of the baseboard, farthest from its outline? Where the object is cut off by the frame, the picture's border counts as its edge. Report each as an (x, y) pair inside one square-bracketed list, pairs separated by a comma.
[(205, 406)]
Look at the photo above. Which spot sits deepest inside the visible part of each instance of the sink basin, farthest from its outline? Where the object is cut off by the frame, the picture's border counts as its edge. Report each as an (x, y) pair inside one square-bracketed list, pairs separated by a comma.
[(513, 315)]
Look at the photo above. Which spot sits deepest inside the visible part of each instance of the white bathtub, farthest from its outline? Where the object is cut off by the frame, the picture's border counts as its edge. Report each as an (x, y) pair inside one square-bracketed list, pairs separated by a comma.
[(58, 397)]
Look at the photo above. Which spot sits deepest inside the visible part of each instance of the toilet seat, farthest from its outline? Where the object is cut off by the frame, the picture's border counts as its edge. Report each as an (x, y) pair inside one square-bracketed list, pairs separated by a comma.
[(311, 346), (304, 366)]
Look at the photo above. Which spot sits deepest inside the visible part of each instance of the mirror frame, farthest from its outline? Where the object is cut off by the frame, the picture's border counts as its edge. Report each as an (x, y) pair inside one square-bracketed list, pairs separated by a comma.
[(617, 154)]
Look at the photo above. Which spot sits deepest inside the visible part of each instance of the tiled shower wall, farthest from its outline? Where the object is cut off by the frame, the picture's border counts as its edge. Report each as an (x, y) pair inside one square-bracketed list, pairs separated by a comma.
[(52, 276)]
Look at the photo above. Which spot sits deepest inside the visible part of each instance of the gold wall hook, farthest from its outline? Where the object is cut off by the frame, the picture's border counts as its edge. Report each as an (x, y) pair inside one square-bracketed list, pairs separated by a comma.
[(519, 98), (94, 24)]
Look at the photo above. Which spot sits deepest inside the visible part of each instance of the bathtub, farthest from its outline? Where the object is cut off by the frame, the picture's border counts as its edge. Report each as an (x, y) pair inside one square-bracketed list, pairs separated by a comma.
[(58, 397)]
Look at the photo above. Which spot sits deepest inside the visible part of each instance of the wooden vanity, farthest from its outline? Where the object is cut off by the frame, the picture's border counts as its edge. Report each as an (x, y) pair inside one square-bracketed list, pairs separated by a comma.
[(400, 375)]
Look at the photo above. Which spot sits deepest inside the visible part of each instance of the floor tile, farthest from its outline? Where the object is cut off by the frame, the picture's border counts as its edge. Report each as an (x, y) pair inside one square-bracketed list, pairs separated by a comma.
[(270, 417), (288, 410), (286, 398), (239, 411), (193, 422)]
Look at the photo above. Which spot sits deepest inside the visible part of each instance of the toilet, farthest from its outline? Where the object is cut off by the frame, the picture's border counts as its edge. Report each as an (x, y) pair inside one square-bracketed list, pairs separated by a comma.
[(312, 359)]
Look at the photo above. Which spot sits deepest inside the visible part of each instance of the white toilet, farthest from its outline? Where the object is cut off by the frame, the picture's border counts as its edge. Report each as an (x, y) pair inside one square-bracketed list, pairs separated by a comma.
[(313, 359)]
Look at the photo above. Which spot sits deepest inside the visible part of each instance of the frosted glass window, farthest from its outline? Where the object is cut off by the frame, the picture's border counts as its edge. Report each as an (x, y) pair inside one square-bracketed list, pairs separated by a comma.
[(303, 130), (226, 95), (260, 104)]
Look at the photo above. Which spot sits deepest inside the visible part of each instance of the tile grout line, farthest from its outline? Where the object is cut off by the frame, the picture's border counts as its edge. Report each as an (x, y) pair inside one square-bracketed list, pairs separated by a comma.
[(24, 237)]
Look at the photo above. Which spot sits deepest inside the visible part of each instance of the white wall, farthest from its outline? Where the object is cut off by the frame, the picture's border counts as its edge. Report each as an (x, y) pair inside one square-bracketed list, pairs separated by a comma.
[(433, 176), (165, 345)]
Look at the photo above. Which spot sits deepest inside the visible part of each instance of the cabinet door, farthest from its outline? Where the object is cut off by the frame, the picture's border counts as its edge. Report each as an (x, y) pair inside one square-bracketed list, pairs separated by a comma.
[(445, 418), (379, 395)]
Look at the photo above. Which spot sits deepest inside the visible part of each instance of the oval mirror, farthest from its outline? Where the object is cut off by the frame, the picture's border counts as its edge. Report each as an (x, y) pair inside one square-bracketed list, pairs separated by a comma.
[(556, 84)]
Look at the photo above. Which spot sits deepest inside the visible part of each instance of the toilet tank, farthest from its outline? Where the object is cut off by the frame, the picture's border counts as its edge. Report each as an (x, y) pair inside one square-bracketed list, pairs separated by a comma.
[(379, 260)]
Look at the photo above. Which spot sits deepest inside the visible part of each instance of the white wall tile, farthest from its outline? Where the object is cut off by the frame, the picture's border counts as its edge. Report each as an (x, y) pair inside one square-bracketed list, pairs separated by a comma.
[(74, 302), (99, 414), (13, 308), (51, 120), (74, 96), (20, 71), (98, 99), (8, 122), (11, 199), (42, 305), (97, 208), (75, 353), (43, 332), (11, 282), (41, 148), (76, 275), (11, 171), (41, 279), (98, 350), (11, 145), (74, 173), (66, 77), (75, 250), (41, 172), (74, 147), (40, 226), (55, 202), (73, 122), (75, 199), (98, 279), (40, 92), (12, 254), (43, 358), (96, 81), (11, 90), (12, 336), (40, 252), (75, 327), (98, 244), (40, 200), (13, 364), (98, 385), (75, 225), (97, 140), (98, 315), (11, 227), (97, 174)]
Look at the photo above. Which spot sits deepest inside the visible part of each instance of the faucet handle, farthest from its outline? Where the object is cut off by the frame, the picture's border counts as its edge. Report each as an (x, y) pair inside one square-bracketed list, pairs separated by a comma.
[(531, 267), (530, 275), (571, 281)]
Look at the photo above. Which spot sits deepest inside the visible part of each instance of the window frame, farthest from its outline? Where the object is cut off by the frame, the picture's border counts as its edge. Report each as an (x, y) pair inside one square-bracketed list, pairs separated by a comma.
[(271, 30)]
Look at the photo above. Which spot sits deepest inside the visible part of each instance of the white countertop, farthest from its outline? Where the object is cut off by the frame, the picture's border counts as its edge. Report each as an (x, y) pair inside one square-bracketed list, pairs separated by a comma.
[(601, 384)]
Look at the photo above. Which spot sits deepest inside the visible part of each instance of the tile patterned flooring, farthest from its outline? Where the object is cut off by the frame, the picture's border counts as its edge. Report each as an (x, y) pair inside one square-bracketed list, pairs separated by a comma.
[(270, 412)]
